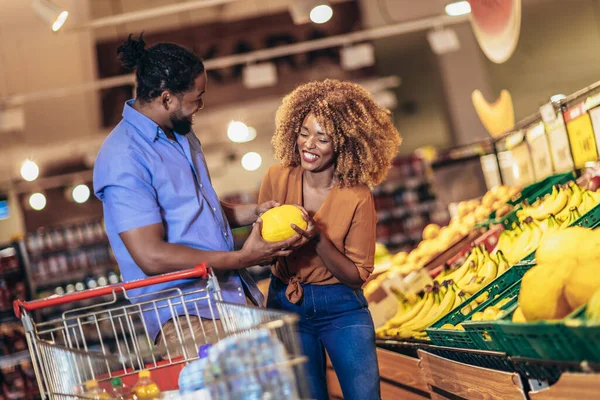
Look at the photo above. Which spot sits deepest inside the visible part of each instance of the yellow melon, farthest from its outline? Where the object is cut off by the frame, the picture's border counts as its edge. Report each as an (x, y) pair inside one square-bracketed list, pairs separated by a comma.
[(276, 223)]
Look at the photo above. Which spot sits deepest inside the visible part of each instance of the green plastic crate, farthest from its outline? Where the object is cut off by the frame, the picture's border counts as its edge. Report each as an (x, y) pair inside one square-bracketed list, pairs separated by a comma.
[(462, 339), (590, 219), (588, 334), (533, 192), (486, 333)]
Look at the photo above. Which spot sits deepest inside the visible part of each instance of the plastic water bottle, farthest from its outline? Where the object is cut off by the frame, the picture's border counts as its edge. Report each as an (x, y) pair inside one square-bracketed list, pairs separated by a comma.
[(192, 377), (280, 378)]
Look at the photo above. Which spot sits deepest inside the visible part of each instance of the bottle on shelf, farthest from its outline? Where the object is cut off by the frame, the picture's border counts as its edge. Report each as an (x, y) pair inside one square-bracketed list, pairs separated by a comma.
[(93, 391), (145, 388), (120, 391)]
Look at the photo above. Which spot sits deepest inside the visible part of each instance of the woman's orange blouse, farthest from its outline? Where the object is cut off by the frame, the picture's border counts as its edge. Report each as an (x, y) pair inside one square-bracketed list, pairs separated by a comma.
[(347, 217)]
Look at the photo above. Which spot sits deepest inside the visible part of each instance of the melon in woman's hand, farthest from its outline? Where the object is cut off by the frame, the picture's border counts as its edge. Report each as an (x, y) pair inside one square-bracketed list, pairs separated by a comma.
[(276, 223)]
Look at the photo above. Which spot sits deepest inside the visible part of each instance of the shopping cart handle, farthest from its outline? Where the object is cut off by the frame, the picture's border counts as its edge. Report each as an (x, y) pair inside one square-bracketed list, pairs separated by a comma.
[(199, 271)]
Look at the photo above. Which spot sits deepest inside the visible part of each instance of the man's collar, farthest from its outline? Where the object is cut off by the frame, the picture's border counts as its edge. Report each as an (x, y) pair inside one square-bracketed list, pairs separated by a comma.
[(144, 125)]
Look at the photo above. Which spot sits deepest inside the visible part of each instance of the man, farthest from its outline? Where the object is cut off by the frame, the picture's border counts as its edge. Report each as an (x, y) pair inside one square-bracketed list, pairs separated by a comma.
[(161, 212)]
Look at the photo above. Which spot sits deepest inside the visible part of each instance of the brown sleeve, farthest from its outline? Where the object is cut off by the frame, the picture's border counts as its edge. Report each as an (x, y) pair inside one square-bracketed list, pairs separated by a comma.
[(360, 241), (266, 188)]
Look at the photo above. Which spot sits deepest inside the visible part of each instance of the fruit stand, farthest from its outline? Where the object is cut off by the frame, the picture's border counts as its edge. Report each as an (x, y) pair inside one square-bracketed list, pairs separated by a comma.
[(503, 301)]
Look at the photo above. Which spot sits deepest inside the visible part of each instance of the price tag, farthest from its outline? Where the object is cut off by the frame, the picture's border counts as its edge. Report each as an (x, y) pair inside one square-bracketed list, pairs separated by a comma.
[(559, 145), (581, 135), (547, 112), (491, 174), (595, 116), (540, 152), (524, 167)]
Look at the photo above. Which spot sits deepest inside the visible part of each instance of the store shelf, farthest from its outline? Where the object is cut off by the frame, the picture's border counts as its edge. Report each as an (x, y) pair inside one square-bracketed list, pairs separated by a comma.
[(14, 359), (36, 254), (73, 276)]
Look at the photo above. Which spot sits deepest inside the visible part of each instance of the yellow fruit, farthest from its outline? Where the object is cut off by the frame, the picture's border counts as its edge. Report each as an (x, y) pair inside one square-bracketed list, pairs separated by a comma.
[(563, 244), (399, 258), (542, 294), (592, 312), (447, 326), (518, 316), (276, 223), (380, 249), (582, 283), (431, 231)]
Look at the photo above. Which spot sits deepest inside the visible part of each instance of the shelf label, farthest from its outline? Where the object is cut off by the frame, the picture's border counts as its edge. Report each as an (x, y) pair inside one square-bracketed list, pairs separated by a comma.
[(547, 112), (581, 135), (595, 116), (559, 145), (540, 152), (524, 167)]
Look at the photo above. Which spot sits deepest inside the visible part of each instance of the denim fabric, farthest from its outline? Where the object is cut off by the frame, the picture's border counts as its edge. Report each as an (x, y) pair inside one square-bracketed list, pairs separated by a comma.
[(334, 318)]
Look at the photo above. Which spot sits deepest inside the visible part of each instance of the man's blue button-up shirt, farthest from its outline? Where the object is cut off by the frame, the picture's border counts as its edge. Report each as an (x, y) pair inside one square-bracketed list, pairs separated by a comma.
[(144, 178)]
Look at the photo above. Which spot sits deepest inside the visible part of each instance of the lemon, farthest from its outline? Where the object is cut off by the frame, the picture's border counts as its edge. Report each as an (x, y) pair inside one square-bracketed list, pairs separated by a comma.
[(276, 223)]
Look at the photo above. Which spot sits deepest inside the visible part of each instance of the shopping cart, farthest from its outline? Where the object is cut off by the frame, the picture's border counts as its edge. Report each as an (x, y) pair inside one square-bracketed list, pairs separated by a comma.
[(104, 334)]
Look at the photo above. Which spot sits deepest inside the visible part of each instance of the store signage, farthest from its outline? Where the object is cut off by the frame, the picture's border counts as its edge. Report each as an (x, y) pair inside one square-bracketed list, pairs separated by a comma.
[(540, 151), (559, 145), (581, 135), (496, 25)]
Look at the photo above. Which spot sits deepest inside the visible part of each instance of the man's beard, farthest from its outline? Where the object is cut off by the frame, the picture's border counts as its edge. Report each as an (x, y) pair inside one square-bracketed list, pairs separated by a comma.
[(181, 125)]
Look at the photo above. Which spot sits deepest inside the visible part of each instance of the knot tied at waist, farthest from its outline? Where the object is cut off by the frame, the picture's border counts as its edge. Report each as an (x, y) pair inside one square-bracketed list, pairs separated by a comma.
[(294, 291)]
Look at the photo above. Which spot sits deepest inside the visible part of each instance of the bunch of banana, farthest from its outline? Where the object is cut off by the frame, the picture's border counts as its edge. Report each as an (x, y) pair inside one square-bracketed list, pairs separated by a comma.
[(560, 202), (490, 313), (449, 291)]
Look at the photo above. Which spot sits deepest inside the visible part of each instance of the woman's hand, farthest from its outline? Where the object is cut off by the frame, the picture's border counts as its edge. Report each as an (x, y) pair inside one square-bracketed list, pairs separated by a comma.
[(311, 232)]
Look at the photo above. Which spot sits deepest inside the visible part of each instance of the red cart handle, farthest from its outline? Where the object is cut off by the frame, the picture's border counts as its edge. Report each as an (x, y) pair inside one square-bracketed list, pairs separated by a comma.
[(199, 271)]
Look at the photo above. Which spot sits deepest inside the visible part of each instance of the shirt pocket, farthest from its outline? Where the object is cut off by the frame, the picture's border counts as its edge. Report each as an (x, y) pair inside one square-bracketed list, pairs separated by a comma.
[(176, 185)]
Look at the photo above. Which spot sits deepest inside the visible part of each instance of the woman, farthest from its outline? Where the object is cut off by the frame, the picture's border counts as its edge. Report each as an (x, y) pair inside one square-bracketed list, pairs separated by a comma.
[(335, 143)]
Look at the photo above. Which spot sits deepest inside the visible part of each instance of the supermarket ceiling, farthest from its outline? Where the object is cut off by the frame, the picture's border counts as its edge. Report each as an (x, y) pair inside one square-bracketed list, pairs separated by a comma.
[(58, 99)]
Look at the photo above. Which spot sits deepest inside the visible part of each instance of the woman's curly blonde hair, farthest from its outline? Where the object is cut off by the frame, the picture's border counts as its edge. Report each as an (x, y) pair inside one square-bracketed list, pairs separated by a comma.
[(364, 137)]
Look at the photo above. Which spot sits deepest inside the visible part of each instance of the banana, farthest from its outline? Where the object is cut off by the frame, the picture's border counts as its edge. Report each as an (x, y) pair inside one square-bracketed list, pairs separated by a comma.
[(519, 244), (469, 275), (574, 201), (587, 202), (534, 239), (443, 307), (573, 216), (459, 272), (503, 265), (595, 196), (427, 303), (487, 274), (557, 205), (540, 204)]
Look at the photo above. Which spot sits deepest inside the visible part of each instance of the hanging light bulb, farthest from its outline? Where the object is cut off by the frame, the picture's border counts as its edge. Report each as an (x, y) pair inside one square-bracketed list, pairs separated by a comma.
[(30, 170), (458, 8), (81, 193), (251, 161), (50, 13), (321, 14), (37, 201)]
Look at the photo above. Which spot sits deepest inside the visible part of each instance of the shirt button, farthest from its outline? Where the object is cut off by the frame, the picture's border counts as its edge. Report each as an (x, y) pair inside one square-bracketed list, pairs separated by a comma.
[(241, 295), (214, 209), (226, 234), (201, 186), (239, 289)]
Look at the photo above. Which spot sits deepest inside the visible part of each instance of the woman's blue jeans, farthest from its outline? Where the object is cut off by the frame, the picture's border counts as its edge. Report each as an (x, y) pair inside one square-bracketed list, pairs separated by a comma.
[(334, 318)]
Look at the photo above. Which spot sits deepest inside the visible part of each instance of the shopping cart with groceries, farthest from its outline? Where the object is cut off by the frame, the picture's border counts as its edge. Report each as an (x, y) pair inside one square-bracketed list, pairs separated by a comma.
[(103, 334)]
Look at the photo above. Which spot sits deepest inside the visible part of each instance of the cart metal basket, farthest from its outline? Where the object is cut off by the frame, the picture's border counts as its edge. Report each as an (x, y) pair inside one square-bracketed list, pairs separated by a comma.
[(104, 334)]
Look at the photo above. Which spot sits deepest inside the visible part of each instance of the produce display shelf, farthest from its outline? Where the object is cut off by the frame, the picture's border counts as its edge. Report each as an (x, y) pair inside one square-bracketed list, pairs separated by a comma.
[(462, 339), (542, 188), (588, 334)]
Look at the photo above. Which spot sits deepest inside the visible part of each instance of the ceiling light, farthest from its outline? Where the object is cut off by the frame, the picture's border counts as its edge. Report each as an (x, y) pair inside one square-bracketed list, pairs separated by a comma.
[(239, 132), (251, 161), (50, 13), (29, 170), (321, 14), (458, 8), (81, 193), (37, 201)]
